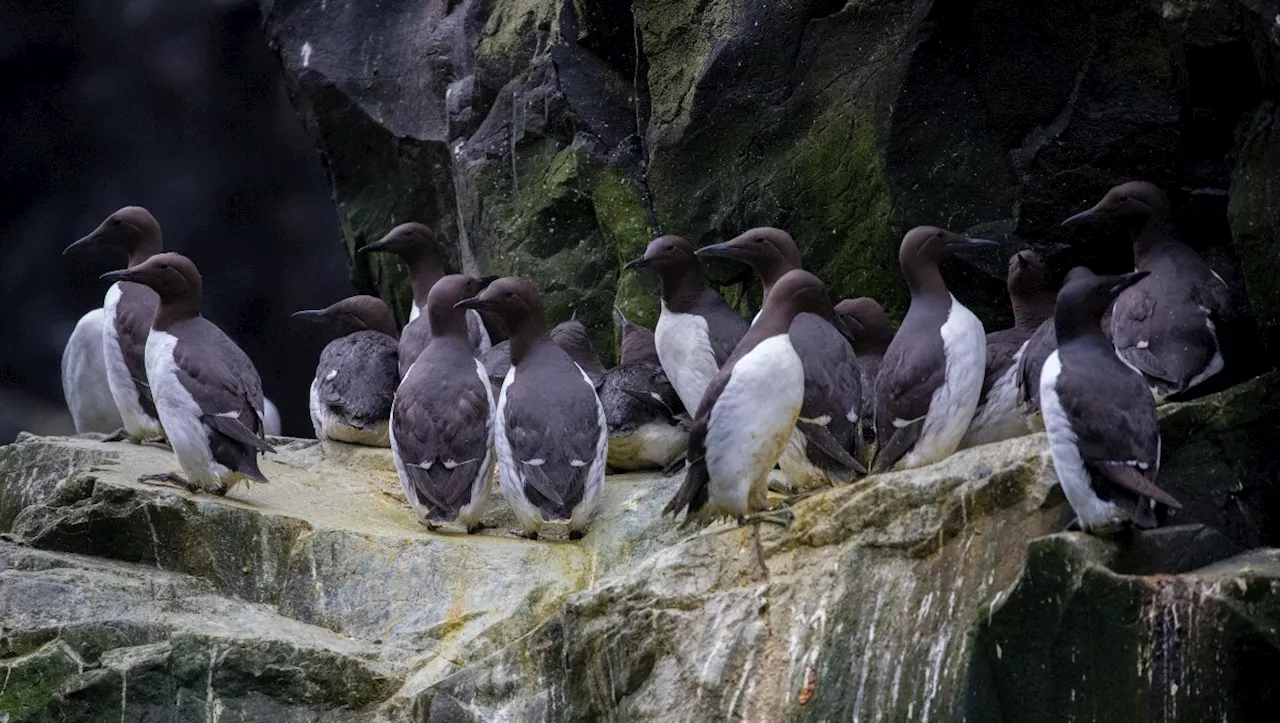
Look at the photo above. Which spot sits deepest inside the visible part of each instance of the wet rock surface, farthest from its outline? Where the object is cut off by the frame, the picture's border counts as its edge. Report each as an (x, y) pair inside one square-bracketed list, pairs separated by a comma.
[(944, 593)]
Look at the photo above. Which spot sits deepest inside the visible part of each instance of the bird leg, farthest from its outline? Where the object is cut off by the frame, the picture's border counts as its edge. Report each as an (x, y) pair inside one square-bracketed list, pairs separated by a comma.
[(119, 435), (529, 534), (781, 516), (1073, 526), (674, 465), (171, 478)]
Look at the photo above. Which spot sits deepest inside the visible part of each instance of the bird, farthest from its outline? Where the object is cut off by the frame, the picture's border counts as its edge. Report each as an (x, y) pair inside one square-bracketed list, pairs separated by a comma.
[(697, 330), (128, 310), (871, 332), (826, 444), (442, 423), (270, 418), (1041, 344), (1168, 325), (550, 435), (998, 416), (84, 378), (931, 374), (356, 378), (418, 247), (749, 410), (1099, 415), (207, 391), (648, 426)]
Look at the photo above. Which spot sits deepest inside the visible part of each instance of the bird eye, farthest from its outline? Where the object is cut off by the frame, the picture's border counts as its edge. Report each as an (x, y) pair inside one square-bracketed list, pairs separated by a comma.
[(671, 248), (759, 239), (510, 295), (938, 235), (115, 222)]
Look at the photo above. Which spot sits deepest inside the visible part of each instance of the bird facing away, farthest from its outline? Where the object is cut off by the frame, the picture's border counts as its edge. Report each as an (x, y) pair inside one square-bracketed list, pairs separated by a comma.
[(128, 311), (648, 426), (442, 423), (931, 374), (697, 330), (826, 445), (871, 332), (749, 410), (207, 391), (550, 434), (998, 415), (1168, 324), (418, 247), (358, 372), (1041, 344), (571, 336), (1099, 416)]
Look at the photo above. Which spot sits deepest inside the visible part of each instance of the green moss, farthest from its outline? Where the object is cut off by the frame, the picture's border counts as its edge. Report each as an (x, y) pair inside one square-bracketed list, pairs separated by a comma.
[(31, 681)]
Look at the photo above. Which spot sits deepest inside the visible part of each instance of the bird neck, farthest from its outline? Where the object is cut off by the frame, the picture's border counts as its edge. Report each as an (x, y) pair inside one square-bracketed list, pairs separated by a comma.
[(424, 271), (1030, 310), (1156, 233), (681, 287)]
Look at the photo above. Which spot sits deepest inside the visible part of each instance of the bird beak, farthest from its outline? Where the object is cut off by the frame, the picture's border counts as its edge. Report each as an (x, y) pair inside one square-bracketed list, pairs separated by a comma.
[(376, 246), (1128, 280), (1081, 218), (317, 315), (121, 275), (622, 318), (640, 263), (723, 249), (89, 240), (981, 242), (1022, 261), (474, 302), (486, 280)]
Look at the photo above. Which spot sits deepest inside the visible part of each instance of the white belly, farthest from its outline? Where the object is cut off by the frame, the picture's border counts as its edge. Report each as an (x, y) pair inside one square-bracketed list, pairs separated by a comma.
[(124, 391), (84, 378), (684, 350), (750, 424), (270, 418), (180, 415), (331, 426), (1000, 417), (651, 446), (964, 343), (1067, 462)]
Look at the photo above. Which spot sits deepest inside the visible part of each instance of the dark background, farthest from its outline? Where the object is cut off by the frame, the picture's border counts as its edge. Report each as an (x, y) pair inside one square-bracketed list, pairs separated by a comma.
[(179, 107)]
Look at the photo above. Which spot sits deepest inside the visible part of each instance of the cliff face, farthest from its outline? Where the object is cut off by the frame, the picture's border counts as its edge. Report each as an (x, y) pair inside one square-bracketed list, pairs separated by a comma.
[(554, 138), (946, 593)]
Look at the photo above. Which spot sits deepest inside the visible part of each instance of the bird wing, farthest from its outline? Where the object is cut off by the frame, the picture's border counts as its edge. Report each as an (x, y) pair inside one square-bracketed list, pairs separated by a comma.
[(909, 375), (725, 328), (1039, 347), (135, 312), (414, 337), (832, 389), (357, 377)]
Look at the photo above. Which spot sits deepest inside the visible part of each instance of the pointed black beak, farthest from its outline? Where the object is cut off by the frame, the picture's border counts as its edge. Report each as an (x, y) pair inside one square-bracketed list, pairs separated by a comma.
[(981, 242), (1128, 280), (474, 302), (1081, 218), (89, 240), (640, 263), (316, 315), (622, 318), (1022, 261), (374, 247), (723, 249), (121, 275)]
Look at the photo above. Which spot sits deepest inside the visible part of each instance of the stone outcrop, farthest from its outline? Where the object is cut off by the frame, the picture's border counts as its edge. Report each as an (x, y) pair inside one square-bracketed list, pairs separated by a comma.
[(945, 593), (554, 138)]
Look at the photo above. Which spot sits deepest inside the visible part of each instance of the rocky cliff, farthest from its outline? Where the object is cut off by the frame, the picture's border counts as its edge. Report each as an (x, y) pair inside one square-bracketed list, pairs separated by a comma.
[(554, 138), (942, 594)]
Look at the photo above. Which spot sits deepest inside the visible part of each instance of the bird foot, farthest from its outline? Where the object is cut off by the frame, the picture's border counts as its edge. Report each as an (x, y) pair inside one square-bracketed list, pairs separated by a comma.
[(793, 499), (576, 534), (119, 435), (473, 529), (172, 478), (1073, 525), (781, 517), (527, 534)]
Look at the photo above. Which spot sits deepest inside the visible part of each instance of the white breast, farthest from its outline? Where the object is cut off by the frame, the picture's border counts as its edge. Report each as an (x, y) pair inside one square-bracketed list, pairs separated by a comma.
[(964, 344), (84, 377), (1067, 462), (414, 311), (180, 415), (124, 391), (684, 350), (651, 446), (270, 418), (999, 417), (750, 423)]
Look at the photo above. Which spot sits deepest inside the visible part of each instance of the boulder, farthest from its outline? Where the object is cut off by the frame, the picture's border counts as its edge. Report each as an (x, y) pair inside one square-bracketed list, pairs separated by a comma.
[(917, 595), (553, 138)]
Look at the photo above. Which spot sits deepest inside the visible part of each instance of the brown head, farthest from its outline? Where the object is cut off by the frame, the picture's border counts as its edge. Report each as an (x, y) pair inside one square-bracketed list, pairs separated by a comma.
[(637, 341), (353, 314), (1131, 204), (1082, 302), (419, 248), (132, 229), (770, 252), (867, 323), (1078, 272), (1029, 292), (514, 301), (923, 248), (797, 292), (174, 279), (676, 263), (447, 318)]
